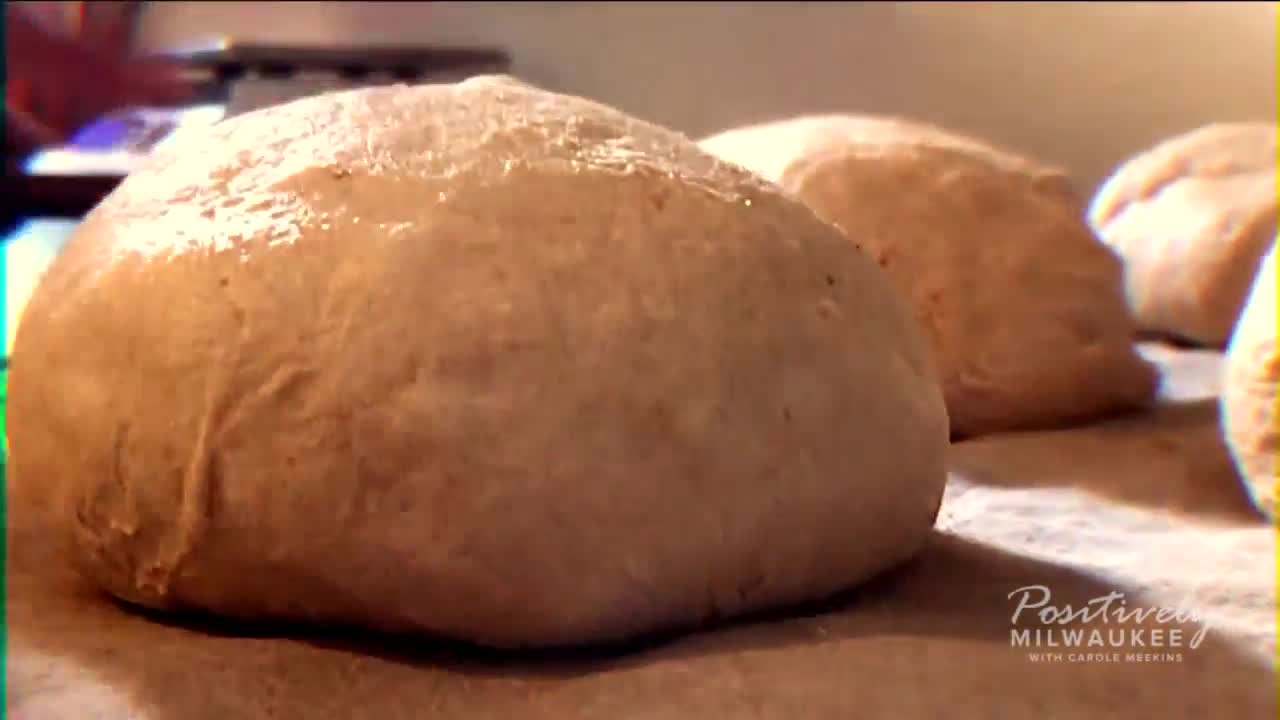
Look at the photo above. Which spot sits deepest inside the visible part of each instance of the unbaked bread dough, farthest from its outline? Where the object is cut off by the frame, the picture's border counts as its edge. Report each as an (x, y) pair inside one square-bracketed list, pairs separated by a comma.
[(1192, 217), (1024, 306), (476, 360), (1251, 418)]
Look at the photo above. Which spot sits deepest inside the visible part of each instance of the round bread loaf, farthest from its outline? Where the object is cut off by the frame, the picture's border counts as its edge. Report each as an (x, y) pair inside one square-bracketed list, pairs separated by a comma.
[(1024, 306), (1192, 218), (1251, 418), (475, 360)]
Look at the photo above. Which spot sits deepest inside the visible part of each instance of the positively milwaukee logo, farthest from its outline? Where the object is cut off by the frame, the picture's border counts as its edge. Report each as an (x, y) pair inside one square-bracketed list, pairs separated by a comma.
[(1102, 630)]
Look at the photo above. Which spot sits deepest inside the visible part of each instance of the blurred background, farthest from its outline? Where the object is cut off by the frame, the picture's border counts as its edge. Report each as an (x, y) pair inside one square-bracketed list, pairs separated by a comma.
[(1081, 84)]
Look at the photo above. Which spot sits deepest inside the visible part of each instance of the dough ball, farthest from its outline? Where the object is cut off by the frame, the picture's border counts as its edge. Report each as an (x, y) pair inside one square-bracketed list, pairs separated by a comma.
[(475, 360), (1024, 307), (1250, 416), (1192, 218)]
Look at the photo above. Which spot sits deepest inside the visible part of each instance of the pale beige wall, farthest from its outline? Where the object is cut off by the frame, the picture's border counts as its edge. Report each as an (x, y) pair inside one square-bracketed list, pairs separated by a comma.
[(1081, 84)]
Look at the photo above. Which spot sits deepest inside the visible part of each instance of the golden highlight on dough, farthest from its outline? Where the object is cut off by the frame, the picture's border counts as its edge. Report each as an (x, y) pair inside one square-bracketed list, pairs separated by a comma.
[(476, 360), (1192, 218), (1250, 416)]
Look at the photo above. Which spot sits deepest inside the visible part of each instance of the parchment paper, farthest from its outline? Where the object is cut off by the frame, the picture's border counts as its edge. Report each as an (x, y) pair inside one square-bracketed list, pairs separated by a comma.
[(1147, 506)]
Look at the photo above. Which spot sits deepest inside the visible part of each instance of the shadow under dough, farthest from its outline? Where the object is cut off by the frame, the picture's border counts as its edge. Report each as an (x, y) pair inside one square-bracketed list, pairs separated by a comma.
[(930, 639), (1171, 458)]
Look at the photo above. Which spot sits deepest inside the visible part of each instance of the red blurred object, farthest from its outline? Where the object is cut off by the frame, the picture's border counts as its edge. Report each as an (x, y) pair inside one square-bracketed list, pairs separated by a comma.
[(65, 69)]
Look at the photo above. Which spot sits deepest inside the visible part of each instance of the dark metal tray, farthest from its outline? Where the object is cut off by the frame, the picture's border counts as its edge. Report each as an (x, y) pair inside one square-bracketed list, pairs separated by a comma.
[(230, 60)]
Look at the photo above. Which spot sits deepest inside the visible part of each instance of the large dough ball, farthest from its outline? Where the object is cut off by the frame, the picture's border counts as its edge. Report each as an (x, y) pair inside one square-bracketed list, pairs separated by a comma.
[(1250, 416), (1024, 306), (1192, 218), (476, 360)]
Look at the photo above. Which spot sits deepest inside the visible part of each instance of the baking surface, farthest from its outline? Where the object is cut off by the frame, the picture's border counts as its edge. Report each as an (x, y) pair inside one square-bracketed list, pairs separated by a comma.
[(1146, 505)]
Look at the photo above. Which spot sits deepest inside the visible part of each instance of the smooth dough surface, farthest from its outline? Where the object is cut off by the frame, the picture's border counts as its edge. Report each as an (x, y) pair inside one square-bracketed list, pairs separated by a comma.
[(1192, 218), (1251, 418), (1024, 306), (476, 360)]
